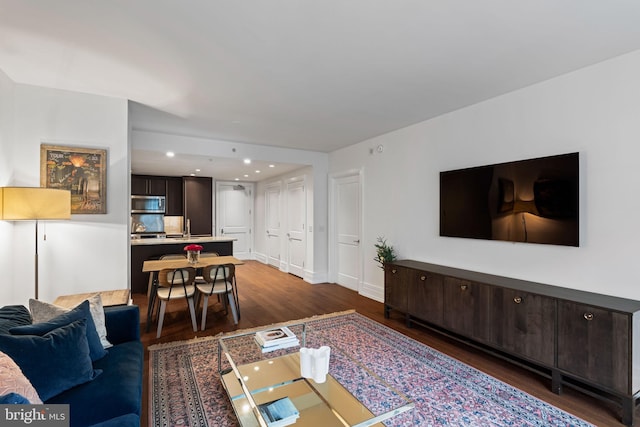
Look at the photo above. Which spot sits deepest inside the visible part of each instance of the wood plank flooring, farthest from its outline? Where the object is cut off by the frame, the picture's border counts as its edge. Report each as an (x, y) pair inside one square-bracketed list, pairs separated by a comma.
[(268, 296)]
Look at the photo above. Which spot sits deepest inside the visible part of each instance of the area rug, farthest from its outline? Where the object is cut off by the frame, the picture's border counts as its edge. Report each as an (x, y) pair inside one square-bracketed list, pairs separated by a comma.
[(185, 388)]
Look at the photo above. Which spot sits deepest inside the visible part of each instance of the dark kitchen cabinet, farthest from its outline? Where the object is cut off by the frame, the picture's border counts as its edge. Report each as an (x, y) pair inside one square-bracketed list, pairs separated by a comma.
[(148, 185), (198, 205), (174, 201)]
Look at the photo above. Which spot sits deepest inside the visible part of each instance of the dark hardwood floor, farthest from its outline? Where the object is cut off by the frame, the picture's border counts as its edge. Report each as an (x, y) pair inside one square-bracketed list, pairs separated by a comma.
[(268, 296)]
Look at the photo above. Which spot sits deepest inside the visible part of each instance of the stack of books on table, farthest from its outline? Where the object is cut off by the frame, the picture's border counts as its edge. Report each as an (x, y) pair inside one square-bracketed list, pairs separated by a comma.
[(276, 339), (279, 413)]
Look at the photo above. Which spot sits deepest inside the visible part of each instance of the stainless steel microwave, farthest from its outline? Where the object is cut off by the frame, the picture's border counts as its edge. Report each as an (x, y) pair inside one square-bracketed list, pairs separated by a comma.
[(147, 204)]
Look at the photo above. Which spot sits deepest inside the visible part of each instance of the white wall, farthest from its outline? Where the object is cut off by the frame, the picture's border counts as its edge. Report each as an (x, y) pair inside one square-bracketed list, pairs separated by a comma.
[(90, 252), (6, 229), (593, 111)]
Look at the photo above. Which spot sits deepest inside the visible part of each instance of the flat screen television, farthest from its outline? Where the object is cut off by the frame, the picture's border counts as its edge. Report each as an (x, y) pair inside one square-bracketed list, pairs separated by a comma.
[(532, 201)]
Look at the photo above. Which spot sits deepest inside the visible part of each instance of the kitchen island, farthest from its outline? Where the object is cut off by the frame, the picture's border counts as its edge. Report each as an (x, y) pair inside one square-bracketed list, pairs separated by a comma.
[(152, 248)]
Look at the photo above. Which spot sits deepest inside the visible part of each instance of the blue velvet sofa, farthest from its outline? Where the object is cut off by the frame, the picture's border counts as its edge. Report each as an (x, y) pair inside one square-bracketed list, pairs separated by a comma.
[(114, 396)]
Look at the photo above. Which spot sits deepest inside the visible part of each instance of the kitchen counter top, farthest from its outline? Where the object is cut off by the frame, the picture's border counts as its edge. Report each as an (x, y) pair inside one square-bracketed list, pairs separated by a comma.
[(178, 240)]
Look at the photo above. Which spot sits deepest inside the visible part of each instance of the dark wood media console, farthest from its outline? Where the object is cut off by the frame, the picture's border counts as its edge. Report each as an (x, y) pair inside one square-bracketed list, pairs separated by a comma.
[(580, 339)]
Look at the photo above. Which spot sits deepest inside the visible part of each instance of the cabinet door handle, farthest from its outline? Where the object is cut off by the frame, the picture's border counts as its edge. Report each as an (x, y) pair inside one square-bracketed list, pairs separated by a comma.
[(423, 278), (393, 271), (588, 316), (463, 287), (517, 300)]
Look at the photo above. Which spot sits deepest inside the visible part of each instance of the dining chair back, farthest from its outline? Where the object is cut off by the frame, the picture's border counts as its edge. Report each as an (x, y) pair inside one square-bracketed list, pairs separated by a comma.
[(176, 284), (150, 287), (203, 258), (219, 280)]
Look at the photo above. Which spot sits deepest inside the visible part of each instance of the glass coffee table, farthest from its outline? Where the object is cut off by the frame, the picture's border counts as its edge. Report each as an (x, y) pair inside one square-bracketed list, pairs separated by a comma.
[(251, 378)]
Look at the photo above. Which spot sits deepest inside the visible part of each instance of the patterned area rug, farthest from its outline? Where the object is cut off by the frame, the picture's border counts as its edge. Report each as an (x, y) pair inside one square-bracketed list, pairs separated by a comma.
[(185, 388)]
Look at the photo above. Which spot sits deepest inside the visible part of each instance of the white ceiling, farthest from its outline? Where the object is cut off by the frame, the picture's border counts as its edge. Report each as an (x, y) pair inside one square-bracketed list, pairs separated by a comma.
[(307, 74), (224, 169)]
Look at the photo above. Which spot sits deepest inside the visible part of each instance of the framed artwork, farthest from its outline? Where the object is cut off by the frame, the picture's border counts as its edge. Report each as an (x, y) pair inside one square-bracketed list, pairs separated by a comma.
[(79, 170)]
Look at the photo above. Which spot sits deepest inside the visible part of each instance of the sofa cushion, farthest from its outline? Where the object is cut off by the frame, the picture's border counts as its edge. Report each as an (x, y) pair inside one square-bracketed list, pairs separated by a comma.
[(123, 323), (117, 392), (13, 315), (12, 380), (82, 311), (43, 311), (54, 362)]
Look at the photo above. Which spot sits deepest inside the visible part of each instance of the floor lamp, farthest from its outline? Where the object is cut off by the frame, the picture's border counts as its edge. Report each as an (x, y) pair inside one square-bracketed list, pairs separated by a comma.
[(34, 204)]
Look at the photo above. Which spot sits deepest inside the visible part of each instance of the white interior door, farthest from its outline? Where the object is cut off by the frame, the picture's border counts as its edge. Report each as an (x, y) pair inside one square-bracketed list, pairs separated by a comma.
[(234, 211), (272, 222), (296, 215), (347, 226)]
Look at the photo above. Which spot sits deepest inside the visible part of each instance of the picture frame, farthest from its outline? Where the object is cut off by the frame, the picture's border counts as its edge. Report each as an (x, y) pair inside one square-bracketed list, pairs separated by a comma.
[(79, 170)]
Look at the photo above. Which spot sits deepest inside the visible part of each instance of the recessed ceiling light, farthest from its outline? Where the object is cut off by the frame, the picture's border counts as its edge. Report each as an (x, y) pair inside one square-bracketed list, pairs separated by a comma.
[(247, 161), (197, 170), (272, 166), (237, 179), (257, 171), (246, 176), (170, 154), (192, 174)]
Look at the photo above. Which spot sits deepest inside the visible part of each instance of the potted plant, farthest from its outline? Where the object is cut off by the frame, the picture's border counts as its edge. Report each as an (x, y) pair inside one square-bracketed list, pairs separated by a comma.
[(384, 252)]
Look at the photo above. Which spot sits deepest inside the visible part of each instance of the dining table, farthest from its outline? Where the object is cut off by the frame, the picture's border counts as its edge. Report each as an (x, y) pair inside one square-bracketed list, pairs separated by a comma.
[(153, 266)]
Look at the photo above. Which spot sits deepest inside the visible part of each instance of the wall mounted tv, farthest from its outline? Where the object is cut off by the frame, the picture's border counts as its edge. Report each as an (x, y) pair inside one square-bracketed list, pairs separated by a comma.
[(533, 201)]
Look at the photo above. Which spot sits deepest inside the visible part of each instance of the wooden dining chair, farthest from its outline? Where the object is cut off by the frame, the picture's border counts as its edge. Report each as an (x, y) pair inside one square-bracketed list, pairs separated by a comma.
[(221, 281), (176, 284), (203, 258), (151, 287)]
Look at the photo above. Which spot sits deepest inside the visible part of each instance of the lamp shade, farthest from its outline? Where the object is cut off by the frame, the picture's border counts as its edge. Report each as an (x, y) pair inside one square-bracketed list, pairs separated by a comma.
[(33, 203)]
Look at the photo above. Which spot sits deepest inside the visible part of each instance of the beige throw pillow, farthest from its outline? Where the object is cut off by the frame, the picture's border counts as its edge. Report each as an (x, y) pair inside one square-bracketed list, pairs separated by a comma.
[(12, 380), (97, 312), (43, 312)]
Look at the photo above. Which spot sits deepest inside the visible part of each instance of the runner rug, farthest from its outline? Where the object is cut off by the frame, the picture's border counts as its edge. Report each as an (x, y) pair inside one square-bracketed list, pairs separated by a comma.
[(185, 388)]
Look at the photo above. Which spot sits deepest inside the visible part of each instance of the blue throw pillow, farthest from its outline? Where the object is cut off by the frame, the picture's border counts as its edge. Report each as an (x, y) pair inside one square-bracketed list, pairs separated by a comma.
[(54, 362), (13, 399), (13, 315), (82, 311)]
